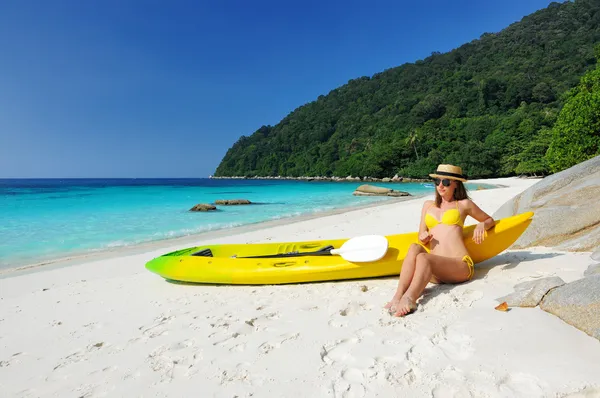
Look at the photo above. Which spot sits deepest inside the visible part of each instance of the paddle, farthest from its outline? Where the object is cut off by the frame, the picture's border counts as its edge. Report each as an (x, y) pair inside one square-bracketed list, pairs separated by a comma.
[(356, 250)]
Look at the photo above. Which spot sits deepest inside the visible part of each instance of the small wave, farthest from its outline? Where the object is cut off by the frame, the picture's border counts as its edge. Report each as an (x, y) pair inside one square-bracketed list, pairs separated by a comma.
[(118, 243), (287, 215), (191, 231), (229, 192)]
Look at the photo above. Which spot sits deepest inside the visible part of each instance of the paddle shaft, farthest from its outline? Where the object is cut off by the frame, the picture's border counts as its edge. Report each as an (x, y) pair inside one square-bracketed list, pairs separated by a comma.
[(321, 252)]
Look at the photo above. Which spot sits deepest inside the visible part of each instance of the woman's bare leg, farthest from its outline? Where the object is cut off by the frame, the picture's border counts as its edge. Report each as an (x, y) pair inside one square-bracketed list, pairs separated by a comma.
[(445, 269), (406, 275)]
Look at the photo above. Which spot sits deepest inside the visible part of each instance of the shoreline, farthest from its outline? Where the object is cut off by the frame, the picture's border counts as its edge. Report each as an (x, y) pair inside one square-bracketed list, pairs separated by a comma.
[(395, 179), (138, 248), (111, 328)]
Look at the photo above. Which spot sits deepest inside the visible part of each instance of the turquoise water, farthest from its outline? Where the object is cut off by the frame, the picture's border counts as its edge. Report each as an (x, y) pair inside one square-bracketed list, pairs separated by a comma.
[(42, 220)]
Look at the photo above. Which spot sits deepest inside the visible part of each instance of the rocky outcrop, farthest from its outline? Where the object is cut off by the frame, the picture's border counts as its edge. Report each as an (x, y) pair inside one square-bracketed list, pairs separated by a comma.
[(203, 207), (592, 270), (567, 214), (371, 190), (227, 202), (395, 179), (577, 303), (596, 255), (529, 294)]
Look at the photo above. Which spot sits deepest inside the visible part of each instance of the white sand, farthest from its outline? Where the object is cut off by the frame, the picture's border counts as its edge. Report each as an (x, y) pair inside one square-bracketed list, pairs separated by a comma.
[(111, 328)]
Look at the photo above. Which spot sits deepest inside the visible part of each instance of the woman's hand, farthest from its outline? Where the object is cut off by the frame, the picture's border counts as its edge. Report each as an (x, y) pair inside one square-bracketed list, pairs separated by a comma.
[(479, 233), (424, 237)]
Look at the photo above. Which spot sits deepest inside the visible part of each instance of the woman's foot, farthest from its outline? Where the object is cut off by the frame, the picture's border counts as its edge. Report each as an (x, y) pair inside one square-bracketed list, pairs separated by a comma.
[(405, 306), (393, 305)]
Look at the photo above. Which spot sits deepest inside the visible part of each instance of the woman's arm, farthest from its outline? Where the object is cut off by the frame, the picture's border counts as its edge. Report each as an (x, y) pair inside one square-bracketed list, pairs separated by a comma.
[(424, 235), (474, 211), (485, 221)]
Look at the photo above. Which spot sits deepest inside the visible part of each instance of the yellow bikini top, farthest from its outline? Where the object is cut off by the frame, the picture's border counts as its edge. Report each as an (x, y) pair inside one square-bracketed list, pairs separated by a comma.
[(450, 217)]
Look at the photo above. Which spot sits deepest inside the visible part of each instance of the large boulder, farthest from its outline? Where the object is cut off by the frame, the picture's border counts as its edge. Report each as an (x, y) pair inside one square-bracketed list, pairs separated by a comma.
[(371, 190), (529, 294), (567, 214), (227, 202), (592, 270), (577, 303), (596, 255)]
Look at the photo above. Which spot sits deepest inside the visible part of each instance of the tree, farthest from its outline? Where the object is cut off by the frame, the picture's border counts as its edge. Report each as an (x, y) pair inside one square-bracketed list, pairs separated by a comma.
[(411, 140), (576, 134), (502, 91)]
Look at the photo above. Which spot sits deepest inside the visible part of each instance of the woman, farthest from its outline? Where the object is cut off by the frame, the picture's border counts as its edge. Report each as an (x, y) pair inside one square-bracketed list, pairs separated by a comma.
[(446, 259)]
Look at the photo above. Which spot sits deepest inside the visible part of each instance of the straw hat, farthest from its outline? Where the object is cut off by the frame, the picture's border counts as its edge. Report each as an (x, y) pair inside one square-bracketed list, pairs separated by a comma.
[(449, 171)]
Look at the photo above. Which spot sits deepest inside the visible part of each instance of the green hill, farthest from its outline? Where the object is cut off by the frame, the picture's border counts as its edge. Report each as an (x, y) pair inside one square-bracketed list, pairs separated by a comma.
[(489, 106)]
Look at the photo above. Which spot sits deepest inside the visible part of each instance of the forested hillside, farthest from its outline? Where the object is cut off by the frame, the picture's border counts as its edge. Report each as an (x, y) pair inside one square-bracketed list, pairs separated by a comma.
[(490, 106)]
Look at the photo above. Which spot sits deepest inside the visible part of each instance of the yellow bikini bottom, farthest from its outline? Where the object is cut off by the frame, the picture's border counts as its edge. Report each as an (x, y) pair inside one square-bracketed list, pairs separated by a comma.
[(467, 259)]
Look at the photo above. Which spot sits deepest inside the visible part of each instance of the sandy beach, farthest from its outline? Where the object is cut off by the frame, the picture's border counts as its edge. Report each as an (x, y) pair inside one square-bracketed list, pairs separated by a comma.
[(110, 328)]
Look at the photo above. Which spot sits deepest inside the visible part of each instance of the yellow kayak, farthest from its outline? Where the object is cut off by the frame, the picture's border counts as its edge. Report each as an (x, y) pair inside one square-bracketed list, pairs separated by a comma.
[(223, 263)]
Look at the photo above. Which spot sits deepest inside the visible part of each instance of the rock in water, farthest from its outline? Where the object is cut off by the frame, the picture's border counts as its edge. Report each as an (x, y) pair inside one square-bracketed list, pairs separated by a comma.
[(366, 188), (371, 190), (529, 294), (232, 202), (203, 207), (577, 303), (567, 214)]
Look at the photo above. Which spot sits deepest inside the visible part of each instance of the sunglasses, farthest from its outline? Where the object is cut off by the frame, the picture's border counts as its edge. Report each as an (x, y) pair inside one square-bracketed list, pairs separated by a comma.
[(446, 182)]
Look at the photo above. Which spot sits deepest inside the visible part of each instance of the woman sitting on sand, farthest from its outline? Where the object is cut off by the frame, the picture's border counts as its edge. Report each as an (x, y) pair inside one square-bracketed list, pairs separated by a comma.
[(446, 259)]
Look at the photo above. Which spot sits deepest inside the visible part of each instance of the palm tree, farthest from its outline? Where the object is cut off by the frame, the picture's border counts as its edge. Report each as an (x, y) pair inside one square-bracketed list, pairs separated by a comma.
[(412, 139)]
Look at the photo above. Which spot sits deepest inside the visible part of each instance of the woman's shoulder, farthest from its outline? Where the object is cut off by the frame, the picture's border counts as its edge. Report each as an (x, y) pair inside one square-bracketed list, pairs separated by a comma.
[(465, 203), (428, 203)]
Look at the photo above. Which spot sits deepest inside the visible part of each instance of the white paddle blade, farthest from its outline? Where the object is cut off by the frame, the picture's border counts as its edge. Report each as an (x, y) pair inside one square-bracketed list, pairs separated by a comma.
[(363, 249)]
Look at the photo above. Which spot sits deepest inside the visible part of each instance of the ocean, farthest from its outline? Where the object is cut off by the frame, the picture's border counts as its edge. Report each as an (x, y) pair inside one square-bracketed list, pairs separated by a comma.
[(43, 220)]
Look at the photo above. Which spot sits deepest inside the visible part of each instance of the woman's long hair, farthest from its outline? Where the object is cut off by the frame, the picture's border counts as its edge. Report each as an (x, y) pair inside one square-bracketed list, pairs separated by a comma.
[(460, 193)]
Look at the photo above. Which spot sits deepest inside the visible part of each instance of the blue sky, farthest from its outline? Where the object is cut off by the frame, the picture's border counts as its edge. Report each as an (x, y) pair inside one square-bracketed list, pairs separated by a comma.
[(119, 88)]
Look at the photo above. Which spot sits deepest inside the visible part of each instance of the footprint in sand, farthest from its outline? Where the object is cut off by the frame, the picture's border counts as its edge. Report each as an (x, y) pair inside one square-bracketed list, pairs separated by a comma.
[(157, 328), (452, 300), (81, 355), (521, 385), (455, 382), (342, 388), (269, 346), (261, 323), (421, 350), (14, 359), (338, 323), (175, 361), (242, 373), (340, 318), (373, 360), (454, 391), (238, 347), (448, 342), (179, 301), (233, 331), (353, 308), (339, 352), (455, 346)]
